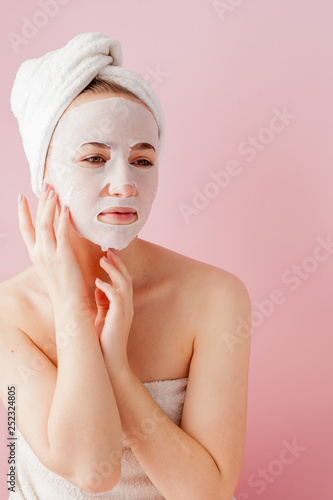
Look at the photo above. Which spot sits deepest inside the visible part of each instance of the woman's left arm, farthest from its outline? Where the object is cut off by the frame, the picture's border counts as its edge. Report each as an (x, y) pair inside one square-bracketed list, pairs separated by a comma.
[(202, 458)]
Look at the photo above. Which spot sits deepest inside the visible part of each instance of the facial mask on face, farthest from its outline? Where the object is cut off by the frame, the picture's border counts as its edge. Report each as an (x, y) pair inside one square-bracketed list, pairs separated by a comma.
[(125, 179)]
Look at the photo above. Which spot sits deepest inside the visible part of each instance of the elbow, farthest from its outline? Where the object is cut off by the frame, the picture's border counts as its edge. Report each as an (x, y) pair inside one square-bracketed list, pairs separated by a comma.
[(96, 476), (218, 489), (90, 472), (224, 492), (96, 481), (227, 488)]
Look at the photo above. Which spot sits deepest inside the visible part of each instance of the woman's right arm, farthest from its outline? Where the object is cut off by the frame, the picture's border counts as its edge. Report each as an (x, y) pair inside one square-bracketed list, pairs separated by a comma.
[(68, 415)]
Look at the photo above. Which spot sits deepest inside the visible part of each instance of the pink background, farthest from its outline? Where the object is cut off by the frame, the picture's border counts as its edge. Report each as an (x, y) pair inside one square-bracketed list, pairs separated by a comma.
[(222, 77)]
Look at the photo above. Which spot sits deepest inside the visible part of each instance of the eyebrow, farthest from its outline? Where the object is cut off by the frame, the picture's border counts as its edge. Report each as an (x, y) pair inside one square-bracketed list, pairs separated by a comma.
[(99, 144), (140, 146), (143, 145)]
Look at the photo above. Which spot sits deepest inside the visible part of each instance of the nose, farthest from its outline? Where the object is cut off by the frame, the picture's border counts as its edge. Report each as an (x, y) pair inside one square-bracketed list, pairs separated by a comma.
[(122, 191), (119, 181)]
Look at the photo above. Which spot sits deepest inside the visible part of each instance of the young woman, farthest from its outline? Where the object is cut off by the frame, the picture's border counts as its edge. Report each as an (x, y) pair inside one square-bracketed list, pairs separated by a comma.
[(126, 385)]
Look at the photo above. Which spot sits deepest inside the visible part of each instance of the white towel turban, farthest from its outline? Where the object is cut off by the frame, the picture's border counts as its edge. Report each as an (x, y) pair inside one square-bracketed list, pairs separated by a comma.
[(44, 87)]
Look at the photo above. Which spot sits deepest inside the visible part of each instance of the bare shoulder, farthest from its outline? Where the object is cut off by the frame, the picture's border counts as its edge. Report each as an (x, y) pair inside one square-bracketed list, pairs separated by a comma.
[(205, 282), (14, 297)]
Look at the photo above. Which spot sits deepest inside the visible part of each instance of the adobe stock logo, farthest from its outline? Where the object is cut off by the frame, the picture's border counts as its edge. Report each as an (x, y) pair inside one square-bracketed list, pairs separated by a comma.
[(155, 76), (219, 180), (225, 7), (31, 27), (264, 476), (293, 278)]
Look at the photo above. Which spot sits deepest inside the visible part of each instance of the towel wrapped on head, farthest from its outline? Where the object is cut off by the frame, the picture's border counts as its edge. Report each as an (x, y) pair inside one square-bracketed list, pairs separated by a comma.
[(44, 87)]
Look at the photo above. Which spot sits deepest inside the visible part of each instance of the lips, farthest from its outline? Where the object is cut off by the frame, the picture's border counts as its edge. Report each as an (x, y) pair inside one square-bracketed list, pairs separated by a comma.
[(118, 210)]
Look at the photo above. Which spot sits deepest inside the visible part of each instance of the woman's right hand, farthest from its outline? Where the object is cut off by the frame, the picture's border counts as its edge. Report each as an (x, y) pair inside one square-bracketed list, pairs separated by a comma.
[(52, 253)]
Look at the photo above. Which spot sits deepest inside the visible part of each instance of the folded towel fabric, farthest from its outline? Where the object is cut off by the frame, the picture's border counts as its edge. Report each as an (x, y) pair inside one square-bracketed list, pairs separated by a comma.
[(44, 87)]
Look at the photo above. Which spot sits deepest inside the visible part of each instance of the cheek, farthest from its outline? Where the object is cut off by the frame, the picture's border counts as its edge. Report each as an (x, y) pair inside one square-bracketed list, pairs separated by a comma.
[(71, 185), (146, 183)]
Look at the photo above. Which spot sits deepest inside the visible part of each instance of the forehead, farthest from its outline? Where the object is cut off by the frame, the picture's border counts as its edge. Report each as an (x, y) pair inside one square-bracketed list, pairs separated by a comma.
[(111, 118), (92, 96)]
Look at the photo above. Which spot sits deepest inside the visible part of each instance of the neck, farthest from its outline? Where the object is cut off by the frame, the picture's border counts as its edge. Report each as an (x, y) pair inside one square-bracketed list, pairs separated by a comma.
[(134, 256)]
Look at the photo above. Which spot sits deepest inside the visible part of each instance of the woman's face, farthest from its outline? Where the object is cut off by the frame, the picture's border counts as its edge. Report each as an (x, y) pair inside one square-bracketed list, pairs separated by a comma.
[(103, 159)]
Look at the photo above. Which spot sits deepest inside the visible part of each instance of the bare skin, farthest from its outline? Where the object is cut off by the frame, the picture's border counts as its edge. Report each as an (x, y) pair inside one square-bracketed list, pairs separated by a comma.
[(182, 308), (161, 336)]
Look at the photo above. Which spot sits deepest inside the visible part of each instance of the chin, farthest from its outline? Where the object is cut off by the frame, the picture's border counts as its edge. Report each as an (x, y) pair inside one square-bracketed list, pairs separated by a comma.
[(117, 236)]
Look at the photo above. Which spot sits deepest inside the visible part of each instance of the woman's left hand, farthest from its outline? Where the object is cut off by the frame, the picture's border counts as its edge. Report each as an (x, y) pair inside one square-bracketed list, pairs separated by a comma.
[(114, 312)]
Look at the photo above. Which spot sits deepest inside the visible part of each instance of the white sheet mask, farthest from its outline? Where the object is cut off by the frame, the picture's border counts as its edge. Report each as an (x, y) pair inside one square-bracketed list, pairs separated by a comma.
[(89, 187)]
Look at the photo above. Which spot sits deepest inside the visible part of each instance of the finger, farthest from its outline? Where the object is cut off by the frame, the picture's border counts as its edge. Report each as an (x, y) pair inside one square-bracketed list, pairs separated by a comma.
[(102, 303), (58, 208), (115, 274), (26, 226), (42, 200), (63, 229), (108, 290), (101, 300), (115, 258), (119, 300), (45, 226)]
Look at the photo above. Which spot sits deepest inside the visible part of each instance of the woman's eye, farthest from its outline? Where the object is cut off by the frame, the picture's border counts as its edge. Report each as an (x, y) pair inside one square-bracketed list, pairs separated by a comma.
[(99, 160), (146, 164), (96, 160)]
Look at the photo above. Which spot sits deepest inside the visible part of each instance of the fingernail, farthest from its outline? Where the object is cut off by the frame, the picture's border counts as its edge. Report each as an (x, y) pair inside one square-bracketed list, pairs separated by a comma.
[(19, 198), (63, 209), (105, 258), (98, 280), (45, 186), (51, 193), (113, 250)]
